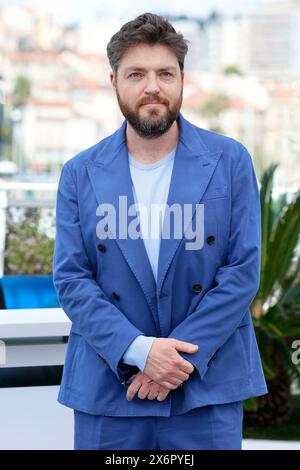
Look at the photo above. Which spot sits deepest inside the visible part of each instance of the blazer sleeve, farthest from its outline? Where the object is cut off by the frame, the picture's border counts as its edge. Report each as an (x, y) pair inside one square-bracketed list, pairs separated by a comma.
[(222, 308), (103, 326)]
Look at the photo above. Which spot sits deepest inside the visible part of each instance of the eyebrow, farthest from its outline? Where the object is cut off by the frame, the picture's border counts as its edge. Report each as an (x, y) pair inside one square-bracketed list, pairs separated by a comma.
[(141, 69)]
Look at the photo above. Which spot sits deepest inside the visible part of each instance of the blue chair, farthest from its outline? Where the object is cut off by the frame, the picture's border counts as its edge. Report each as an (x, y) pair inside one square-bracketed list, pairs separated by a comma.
[(28, 291)]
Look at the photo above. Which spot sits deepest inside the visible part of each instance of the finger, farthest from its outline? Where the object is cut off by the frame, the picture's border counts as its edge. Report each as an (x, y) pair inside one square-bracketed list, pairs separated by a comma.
[(154, 391), (185, 366), (143, 391), (171, 381), (175, 380), (182, 377), (133, 389), (169, 385), (162, 395), (186, 347)]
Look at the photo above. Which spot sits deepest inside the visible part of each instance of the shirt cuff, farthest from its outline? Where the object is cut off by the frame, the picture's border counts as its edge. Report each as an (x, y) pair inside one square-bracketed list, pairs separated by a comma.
[(137, 352)]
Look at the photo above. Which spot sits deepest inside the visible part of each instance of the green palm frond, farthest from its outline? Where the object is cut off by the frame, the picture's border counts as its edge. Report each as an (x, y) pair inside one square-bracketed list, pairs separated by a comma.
[(277, 324), (266, 214), (283, 242), (279, 292)]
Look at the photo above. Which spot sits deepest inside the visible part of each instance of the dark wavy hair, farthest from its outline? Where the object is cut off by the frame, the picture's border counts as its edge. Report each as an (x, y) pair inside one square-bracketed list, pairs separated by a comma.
[(147, 28)]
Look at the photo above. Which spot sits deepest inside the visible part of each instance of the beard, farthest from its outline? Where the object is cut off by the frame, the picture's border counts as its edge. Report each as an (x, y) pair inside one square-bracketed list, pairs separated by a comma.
[(157, 121)]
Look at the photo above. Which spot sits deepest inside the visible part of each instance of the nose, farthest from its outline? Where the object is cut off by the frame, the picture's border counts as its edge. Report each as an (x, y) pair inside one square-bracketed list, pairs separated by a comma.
[(152, 86)]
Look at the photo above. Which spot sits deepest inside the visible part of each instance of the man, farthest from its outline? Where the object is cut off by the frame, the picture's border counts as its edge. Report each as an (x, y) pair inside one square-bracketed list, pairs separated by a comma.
[(162, 348)]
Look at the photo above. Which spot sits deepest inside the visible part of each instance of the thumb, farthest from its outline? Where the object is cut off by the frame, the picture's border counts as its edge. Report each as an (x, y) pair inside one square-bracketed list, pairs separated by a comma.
[(183, 346)]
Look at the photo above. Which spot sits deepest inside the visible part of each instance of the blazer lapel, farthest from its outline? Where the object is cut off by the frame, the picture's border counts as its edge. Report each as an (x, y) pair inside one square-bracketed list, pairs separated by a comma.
[(193, 168), (109, 174)]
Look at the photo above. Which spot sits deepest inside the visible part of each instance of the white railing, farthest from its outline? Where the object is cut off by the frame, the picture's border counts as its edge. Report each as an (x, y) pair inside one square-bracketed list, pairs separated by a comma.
[(27, 186), (33, 337)]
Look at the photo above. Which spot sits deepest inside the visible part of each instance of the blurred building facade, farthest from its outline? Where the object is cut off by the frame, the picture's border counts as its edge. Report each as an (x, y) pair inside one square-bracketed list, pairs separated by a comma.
[(242, 79)]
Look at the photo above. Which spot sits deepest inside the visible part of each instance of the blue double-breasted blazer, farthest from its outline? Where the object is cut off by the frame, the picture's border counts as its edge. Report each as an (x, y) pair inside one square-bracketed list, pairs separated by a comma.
[(107, 288)]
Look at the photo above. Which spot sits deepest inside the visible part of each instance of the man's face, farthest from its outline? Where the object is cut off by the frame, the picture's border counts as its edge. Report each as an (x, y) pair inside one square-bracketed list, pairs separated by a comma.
[(149, 88)]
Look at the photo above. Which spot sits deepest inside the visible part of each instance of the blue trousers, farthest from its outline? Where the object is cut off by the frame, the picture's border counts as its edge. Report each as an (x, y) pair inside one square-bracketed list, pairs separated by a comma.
[(210, 427)]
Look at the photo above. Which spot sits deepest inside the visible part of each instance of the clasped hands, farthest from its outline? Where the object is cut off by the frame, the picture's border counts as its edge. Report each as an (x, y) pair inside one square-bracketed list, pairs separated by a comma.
[(165, 370)]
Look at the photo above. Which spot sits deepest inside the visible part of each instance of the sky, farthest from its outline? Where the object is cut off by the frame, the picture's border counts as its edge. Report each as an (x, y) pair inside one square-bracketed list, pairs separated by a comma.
[(69, 11)]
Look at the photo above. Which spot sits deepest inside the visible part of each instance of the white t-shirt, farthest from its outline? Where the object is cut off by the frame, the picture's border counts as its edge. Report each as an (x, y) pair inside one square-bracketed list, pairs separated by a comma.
[(151, 182)]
